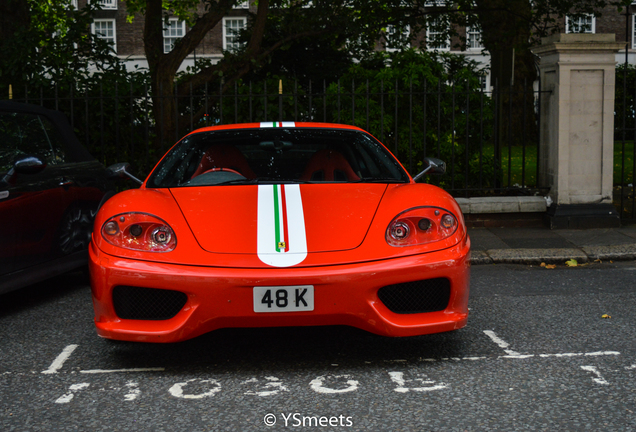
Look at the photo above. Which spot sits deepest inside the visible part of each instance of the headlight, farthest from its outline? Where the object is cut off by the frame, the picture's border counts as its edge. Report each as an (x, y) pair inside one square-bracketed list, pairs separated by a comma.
[(139, 231), (421, 225)]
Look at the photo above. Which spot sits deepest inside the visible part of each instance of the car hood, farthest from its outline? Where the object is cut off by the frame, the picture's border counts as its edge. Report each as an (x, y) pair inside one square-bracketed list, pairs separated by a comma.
[(282, 223)]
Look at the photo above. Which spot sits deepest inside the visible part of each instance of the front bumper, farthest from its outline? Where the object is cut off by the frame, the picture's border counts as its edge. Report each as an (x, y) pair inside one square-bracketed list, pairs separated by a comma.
[(223, 297)]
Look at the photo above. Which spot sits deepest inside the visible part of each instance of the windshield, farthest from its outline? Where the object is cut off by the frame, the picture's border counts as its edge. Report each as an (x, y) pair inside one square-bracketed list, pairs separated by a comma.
[(276, 155)]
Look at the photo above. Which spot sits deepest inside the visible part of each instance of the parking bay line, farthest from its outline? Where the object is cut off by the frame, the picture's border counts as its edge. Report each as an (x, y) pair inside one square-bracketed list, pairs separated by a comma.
[(526, 356), (510, 354), (501, 343), (107, 371), (60, 359)]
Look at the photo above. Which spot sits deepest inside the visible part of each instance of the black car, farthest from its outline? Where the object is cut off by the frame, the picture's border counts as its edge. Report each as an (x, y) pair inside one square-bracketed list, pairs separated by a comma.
[(50, 190)]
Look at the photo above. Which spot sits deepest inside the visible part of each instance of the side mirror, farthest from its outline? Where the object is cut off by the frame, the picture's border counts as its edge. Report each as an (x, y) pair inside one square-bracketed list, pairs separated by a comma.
[(432, 166), (122, 170), (25, 165), (29, 165)]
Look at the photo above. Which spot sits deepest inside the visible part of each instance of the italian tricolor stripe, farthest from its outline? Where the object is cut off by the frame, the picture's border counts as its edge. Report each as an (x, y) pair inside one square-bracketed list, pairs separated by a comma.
[(277, 124), (280, 219), (281, 239)]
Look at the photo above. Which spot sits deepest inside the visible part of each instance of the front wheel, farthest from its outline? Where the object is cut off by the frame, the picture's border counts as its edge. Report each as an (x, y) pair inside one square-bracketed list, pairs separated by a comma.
[(74, 233)]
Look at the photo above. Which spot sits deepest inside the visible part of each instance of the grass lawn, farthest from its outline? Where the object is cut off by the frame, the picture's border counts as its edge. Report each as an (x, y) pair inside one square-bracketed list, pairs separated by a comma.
[(629, 162), (530, 178)]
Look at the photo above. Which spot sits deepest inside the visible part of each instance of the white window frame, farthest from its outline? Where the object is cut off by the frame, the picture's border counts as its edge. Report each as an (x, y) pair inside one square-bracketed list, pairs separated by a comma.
[(108, 4), (226, 35), (74, 4), (114, 37), (175, 33), (474, 31), (634, 30), (242, 5), (433, 33), (579, 23), (390, 30), (434, 3)]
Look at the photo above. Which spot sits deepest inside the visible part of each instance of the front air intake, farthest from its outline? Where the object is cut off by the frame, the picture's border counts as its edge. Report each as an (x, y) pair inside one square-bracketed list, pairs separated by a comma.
[(147, 303), (430, 295)]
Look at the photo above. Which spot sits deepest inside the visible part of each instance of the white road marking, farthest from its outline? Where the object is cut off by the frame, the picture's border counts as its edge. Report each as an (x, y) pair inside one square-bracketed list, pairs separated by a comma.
[(501, 343), (317, 385), (107, 371), (133, 392), (69, 396), (59, 361), (398, 378), (525, 356), (273, 385), (590, 354), (599, 378), (177, 389)]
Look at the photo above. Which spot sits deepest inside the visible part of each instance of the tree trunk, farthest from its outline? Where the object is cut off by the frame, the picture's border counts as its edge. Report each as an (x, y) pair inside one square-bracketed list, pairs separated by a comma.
[(163, 67)]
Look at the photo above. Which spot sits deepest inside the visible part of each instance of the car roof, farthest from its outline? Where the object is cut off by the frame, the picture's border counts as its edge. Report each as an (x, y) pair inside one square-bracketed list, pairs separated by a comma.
[(74, 149), (277, 124)]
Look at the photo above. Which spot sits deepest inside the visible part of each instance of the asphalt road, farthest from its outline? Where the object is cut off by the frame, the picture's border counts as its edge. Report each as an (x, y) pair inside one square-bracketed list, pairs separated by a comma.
[(537, 354)]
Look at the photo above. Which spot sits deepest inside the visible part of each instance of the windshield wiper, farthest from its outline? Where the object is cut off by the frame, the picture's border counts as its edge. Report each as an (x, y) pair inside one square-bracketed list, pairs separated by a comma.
[(262, 180), (378, 180)]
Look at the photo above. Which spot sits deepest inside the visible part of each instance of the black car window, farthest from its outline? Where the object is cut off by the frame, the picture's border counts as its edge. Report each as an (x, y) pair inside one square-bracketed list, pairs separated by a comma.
[(24, 134), (306, 155), (55, 140)]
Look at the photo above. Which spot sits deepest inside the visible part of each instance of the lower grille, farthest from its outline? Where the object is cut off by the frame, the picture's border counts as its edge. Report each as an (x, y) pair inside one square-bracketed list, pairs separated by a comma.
[(429, 295), (147, 303)]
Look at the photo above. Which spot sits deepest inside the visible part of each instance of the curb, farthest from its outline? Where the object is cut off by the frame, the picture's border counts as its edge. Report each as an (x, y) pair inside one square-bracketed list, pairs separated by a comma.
[(554, 256)]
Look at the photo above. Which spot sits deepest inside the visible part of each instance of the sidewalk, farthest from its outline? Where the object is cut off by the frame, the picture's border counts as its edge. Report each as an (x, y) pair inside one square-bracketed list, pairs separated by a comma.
[(542, 245)]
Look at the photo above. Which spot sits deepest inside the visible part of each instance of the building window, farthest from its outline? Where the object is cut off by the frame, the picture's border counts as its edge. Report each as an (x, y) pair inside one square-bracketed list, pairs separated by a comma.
[(242, 5), (473, 38), (437, 38), (74, 4), (108, 4), (172, 33), (634, 31), (435, 3), (580, 24), (231, 28), (394, 41), (105, 29)]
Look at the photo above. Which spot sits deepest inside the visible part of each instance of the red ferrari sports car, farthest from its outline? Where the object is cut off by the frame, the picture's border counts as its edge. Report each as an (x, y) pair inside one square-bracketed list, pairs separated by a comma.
[(279, 224)]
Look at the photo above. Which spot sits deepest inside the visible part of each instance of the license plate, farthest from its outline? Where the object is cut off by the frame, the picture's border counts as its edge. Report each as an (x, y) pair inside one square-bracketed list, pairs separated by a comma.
[(284, 298)]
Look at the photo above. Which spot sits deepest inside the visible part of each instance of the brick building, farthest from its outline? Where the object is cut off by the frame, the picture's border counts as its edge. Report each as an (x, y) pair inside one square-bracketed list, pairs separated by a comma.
[(126, 38)]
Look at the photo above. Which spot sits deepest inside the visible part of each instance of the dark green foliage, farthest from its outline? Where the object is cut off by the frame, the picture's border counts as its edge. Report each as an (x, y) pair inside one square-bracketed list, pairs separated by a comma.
[(420, 104), (625, 106), (52, 44), (417, 103), (51, 58)]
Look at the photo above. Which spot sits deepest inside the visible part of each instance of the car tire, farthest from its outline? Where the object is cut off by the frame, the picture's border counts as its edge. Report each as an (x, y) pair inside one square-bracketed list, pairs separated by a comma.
[(74, 233)]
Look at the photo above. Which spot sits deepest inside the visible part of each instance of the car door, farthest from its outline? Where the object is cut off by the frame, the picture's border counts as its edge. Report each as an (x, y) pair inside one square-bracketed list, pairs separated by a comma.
[(7, 216), (34, 191)]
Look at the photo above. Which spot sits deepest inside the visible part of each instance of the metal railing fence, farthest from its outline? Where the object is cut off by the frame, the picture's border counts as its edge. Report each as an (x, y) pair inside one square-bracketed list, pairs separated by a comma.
[(488, 138)]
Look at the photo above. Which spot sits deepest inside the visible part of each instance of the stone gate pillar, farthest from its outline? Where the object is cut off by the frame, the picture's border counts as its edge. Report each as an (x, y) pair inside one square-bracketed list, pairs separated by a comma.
[(576, 149)]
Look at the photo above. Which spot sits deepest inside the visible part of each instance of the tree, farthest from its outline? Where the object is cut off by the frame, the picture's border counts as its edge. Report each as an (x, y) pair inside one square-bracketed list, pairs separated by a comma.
[(45, 42), (275, 26), (350, 29)]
